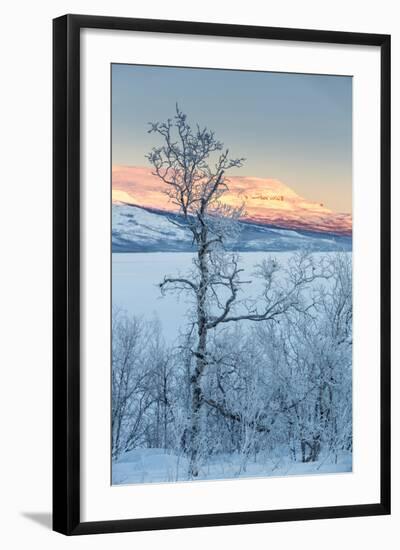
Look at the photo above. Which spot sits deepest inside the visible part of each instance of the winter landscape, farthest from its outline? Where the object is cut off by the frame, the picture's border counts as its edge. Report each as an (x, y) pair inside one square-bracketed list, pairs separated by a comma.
[(232, 311)]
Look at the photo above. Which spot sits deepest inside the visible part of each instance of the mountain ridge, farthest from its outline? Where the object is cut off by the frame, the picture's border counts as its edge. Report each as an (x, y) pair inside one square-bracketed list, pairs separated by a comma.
[(266, 200), (139, 229)]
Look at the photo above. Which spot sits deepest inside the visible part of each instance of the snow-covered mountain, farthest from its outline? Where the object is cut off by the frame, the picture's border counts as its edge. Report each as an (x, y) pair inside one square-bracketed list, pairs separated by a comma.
[(137, 229), (266, 200)]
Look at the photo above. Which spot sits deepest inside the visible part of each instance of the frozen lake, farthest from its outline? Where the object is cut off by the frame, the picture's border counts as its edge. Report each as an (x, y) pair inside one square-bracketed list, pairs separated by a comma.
[(135, 287), (136, 278)]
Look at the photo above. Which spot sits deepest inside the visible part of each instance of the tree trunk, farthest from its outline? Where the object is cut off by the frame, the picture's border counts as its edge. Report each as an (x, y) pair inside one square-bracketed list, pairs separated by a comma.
[(201, 359)]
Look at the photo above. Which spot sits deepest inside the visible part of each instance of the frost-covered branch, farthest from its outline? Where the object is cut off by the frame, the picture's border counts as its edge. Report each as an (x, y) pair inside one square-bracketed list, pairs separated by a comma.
[(177, 283)]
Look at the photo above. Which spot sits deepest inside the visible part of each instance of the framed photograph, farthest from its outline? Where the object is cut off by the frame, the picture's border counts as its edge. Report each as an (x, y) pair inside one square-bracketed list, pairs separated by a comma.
[(221, 274)]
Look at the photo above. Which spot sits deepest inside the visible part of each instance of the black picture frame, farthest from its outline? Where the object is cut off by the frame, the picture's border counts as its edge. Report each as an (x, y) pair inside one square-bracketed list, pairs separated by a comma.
[(66, 273)]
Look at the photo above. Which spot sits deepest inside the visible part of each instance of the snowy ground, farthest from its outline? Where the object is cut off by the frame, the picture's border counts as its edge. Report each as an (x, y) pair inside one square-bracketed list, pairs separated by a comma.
[(156, 466)]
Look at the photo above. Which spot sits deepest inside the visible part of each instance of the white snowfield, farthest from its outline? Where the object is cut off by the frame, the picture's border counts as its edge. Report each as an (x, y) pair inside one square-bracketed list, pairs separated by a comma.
[(157, 466)]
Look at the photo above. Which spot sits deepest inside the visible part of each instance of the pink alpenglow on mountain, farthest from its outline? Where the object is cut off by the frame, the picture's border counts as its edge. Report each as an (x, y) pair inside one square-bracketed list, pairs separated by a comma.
[(266, 201)]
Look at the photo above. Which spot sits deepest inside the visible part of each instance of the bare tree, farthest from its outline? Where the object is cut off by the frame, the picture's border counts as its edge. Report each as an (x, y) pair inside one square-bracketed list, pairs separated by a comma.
[(195, 185), (192, 163), (130, 396)]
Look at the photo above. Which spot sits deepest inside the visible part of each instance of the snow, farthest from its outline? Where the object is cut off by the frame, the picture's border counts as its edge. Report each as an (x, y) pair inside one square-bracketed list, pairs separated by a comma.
[(287, 232), (148, 466), (132, 223), (156, 466), (136, 229)]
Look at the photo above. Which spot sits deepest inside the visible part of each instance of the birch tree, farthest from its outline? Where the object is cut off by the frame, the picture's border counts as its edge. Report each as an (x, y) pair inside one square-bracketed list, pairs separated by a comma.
[(192, 163)]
